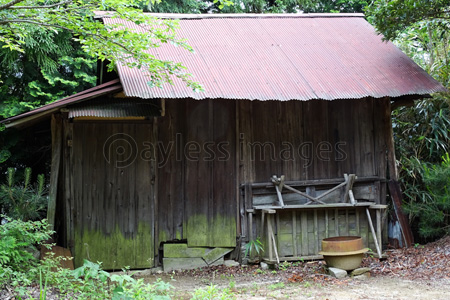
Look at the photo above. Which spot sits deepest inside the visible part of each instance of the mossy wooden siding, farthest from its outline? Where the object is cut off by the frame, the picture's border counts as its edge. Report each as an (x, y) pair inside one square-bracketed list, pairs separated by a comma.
[(112, 202), (184, 182)]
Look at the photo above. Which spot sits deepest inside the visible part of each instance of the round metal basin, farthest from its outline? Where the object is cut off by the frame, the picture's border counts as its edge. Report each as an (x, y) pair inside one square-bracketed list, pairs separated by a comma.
[(343, 252)]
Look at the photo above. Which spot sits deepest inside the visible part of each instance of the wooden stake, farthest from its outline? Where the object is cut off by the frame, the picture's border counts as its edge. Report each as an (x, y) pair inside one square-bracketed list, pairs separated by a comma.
[(369, 219)]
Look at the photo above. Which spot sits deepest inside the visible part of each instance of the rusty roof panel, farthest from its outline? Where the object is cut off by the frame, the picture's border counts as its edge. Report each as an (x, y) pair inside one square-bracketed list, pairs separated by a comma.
[(290, 57), (115, 108)]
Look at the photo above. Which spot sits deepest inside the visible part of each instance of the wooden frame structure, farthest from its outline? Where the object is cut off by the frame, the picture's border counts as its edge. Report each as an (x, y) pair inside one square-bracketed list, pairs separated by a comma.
[(294, 231)]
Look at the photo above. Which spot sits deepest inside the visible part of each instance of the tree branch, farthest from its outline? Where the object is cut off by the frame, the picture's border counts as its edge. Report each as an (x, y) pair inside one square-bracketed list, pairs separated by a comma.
[(32, 21), (41, 6), (8, 5)]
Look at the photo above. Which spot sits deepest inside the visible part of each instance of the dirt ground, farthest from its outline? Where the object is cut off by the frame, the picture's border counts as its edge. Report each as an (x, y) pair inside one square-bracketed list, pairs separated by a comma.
[(419, 272), (252, 284)]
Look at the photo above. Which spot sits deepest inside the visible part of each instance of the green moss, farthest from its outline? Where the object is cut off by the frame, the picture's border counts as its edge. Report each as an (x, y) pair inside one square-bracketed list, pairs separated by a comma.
[(217, 232), (182, 250), (114, 250)]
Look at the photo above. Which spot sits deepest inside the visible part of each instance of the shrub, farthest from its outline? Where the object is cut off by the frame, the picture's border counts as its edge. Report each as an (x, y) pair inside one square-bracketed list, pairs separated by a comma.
[(24, 200), (434, 212), (18, 242)]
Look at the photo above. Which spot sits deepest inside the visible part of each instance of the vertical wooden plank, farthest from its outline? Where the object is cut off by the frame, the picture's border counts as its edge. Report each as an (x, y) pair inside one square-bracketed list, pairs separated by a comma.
[(326, 224), (294, 234), (198, 175), (308, 147), (170, 165), (358, 230), (246, 135), (225, 212), (346, 222), (248, 199), (335, 138), (250, 227), (68, 193), (154, 184), (304, 228), (56, 127), (344, 134), (366, 131), (241, 215), (292, 136), (380, 119), (393, 173), (316, 233), (336, 222)]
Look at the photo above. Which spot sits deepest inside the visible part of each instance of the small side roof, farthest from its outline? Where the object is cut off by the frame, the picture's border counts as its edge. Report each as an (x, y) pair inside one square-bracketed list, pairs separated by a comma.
[(45, 111)]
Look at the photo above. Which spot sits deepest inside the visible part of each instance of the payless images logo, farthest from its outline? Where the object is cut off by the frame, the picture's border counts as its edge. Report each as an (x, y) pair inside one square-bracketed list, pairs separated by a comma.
[(121, 150)]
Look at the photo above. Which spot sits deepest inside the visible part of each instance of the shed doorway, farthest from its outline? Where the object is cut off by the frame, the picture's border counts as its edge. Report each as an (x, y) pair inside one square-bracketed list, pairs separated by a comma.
[(113, 183)]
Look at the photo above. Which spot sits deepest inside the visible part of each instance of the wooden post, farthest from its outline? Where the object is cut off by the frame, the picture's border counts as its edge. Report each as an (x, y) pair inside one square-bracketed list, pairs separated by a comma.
[(373, 232), (269, 236), (378, 216), (393, 173), (56, 127), (68, 187), (250, 224)]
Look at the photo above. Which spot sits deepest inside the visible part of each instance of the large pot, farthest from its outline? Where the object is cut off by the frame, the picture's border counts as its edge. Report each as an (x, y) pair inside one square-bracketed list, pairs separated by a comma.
[(343, 252)]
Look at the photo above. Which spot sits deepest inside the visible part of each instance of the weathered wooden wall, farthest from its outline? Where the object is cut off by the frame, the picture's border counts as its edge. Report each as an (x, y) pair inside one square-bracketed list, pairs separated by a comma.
[(197, 180), (355, 127), (112, 201), (201, 152)]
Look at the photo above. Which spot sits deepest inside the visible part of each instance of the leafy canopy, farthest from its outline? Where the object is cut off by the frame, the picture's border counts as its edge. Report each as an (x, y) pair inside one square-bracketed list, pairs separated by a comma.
[(115, 43), (391, 17)]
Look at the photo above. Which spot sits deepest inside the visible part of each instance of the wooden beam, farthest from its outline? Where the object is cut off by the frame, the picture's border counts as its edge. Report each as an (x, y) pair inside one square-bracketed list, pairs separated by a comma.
[(314, 182), (56, 128)]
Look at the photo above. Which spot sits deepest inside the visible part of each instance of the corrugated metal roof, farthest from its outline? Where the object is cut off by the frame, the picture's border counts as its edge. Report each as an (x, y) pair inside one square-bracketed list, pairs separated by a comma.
[(288, 57), (115, 108)]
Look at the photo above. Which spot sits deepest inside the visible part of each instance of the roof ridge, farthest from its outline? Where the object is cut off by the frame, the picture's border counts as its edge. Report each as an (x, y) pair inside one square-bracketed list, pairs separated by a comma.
[(107, 14)]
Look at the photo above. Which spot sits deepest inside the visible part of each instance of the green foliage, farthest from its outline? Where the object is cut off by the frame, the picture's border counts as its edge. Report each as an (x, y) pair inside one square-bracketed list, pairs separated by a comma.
[(91, 282), (138, 289), (114, 43), (337, 6), (20, 271), (253, 246), (422, 132), (18, 240), (256, 6), (427, 43), (51, 66), (392, 17), (276, 286), (433, 212), (178, 6), (212, 292), (23, 200)]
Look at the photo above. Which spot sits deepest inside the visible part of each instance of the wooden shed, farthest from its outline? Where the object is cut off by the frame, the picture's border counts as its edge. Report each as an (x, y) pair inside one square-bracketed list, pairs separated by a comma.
[(291, 142)]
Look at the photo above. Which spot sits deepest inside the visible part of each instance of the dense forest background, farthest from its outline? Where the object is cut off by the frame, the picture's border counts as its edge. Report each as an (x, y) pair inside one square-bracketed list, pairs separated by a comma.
[(51, 64)]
